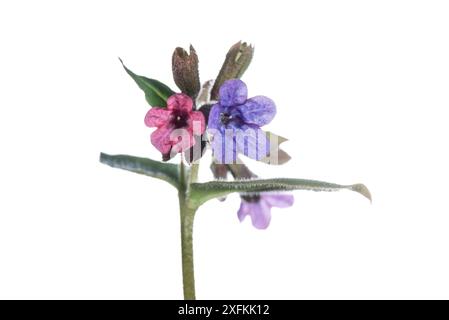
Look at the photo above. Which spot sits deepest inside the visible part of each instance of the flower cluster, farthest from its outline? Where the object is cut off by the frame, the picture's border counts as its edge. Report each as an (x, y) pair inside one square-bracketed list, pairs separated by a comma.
[(229, 123), (233, 124)]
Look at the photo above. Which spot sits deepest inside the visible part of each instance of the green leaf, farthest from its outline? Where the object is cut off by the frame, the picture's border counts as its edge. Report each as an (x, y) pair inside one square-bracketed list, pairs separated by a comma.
[(156, 169), (156, 93), (202, 192)]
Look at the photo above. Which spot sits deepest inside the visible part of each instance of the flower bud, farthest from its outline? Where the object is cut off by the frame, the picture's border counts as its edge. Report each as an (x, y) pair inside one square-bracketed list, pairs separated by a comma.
[(240, 171), (236, 62), (220, 171), (185, 71)]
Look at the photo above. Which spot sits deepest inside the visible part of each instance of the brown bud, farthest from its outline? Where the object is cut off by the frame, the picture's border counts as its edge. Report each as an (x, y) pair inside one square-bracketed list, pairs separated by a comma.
[(236, 62), (220, 171), (241, 171), (185, 71)]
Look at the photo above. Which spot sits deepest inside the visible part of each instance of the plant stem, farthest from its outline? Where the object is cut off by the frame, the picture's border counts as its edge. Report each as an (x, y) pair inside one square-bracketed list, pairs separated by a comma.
[(187, 215), (193, 175)]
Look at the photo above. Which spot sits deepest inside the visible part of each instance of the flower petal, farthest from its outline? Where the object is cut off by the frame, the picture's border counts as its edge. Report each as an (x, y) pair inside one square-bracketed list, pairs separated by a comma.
[(259, 110), (233, 92), (278, 200), (244, 210), (223, 146), (252, 142), (261, 215), (180, 102), (160, 138), (157, 117), (181, 139), (197, 123), (214, 117)]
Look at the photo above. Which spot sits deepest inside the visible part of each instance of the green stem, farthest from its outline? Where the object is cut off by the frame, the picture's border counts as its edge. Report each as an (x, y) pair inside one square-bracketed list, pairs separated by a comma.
[(193, 175), (188, 276), (187, 212)]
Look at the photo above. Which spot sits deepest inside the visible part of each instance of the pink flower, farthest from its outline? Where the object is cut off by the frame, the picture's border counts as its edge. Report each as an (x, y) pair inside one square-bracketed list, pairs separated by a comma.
[(175, 125)]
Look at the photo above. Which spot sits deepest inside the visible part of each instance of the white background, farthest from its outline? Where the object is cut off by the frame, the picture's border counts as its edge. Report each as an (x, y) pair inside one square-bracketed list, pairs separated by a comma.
[(362, 94)]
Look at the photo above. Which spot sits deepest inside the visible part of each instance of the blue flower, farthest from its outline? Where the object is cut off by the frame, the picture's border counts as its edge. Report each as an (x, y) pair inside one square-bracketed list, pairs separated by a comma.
[(258, 207), (235, 121)]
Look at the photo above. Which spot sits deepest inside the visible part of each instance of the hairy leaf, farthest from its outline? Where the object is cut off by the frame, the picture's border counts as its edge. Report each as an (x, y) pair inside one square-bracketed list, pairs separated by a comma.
[(164, 171), (202, 192)]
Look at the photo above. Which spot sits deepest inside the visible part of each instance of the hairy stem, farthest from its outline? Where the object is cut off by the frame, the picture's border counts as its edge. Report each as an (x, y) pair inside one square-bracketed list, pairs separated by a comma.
[(187, 215), (194, 169)]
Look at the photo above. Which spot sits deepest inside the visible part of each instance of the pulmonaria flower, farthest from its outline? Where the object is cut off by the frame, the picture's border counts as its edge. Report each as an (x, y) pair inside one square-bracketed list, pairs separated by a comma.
[(175, 125), (258, 207), (235, 121)]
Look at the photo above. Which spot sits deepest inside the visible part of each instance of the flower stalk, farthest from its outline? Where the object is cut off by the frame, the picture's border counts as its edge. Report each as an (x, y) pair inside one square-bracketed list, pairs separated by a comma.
[(187, 216)]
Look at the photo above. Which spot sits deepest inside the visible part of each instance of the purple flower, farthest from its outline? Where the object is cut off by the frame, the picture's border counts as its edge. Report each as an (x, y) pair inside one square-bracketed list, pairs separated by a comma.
[(235, 121), (259, 207)]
